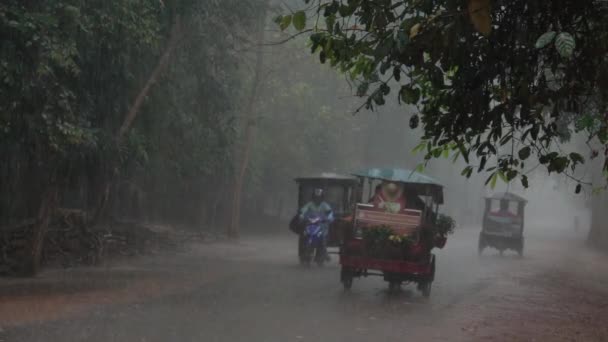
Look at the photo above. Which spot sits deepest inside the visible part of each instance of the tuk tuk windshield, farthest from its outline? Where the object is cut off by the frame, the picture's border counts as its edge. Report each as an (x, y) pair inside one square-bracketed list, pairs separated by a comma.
[(335, 196), (510, 208)]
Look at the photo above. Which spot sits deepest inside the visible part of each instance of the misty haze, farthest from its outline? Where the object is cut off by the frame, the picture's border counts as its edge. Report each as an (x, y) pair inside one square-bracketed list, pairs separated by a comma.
[(303, 170)]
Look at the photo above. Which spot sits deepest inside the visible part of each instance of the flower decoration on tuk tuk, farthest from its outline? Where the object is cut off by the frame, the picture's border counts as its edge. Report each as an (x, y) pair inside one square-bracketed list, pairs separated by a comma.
[(375, 236), (444, 225), (383, 242), (400, 240)]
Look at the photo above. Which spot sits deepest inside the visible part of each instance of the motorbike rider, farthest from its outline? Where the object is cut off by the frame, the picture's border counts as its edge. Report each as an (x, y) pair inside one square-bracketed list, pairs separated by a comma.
[(318, 206)]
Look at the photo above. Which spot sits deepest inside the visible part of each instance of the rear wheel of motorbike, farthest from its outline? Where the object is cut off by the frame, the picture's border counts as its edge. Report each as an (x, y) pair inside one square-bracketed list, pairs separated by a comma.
[(306, 258), (318, 257)]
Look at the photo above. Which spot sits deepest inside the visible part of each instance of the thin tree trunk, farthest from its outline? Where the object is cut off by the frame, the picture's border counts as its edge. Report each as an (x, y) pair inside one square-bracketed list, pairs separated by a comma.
[(161, 66), (233, 229), (598, 230), (108, 177), (47, 208)]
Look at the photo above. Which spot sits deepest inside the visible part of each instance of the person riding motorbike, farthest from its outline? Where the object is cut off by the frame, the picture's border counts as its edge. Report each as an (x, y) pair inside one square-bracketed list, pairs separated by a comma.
[(318, 206)]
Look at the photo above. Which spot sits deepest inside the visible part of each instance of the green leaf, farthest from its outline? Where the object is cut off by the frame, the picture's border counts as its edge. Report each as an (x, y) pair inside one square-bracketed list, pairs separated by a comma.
[(299, 20), (362, 88), (492, 180), (524, 153), (576, 158), (420, 147), (524, 181), (467, 171), (482, 164), (565, 44), (455, 158), (414, 121), (545, 39), (322, 57), (446, 153), (511, 174), (504, 140), (502, 176), (557, 164), (285, 22), (397, 73), (419, 168), (409, 95), (378, 98), (437, 152), (464, 151)]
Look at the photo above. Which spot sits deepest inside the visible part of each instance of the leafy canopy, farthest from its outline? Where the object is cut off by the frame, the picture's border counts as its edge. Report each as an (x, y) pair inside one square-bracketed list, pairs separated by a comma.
[(497, 83)]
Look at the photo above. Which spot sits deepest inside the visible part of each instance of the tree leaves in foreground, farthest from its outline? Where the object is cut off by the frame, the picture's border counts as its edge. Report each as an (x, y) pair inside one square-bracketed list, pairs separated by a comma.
[(493, 81)]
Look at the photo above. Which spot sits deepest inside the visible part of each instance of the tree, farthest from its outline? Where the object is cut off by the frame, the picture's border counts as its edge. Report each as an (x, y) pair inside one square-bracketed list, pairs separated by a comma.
[(100, 97), (495, 83), (249, 126)]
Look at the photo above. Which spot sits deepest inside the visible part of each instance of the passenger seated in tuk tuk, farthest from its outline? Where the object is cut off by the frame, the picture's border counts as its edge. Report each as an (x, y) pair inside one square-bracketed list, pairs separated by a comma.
[(389, 197), (504, 211), (318, 206), (377, 191)]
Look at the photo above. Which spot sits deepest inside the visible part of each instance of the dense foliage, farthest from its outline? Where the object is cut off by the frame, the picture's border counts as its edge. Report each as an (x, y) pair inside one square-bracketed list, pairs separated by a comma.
[(494, 82), (70, 72)]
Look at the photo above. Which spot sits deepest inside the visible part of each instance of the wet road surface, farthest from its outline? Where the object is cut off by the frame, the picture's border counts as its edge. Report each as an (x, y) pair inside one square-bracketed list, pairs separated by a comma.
[(254, 290)]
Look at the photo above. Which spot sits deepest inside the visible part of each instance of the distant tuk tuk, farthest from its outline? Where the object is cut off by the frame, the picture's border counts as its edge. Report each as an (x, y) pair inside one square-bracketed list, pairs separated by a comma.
[(339, 192), (503, 223), (394, 244)]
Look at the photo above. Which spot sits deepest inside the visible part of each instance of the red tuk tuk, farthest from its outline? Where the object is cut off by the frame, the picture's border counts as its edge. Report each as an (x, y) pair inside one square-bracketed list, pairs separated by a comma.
[(395, 245)]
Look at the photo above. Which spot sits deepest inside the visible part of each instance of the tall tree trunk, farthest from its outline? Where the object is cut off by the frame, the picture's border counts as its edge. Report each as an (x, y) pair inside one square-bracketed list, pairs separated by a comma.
[(105, 186), (598, 232), (161, 66), (235, 219), (48, 206)]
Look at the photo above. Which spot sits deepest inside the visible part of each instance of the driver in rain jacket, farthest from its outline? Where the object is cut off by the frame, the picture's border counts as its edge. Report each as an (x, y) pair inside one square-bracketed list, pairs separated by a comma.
[(318, 206)]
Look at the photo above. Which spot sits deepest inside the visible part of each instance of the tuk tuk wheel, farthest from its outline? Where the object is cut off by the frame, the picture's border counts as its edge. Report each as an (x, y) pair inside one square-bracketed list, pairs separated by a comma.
[(393, 286), (425, 288), (520, 250), (346, 277), (300, 246), (481, 245)]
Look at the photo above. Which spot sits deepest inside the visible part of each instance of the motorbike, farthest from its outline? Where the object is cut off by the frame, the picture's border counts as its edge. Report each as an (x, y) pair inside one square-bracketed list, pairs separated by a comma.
[(312, 246)]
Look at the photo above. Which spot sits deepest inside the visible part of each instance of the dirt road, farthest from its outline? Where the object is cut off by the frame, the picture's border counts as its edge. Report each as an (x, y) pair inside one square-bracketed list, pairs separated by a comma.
[(255, 291)]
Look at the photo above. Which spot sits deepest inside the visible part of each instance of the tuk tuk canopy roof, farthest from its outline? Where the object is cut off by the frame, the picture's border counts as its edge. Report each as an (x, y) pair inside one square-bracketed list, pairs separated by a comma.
[(509, 196), (327, 177), (421, 183)]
